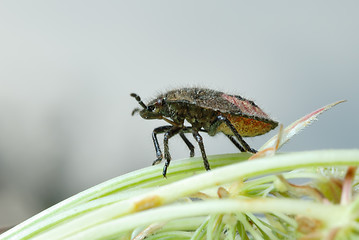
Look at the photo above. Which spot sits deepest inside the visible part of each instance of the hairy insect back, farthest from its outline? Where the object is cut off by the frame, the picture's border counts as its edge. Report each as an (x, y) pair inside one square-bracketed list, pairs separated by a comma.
[(245, 115), (217, 101)]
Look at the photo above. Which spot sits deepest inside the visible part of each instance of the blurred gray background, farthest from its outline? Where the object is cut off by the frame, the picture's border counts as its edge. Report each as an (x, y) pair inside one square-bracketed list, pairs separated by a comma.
[(67, 69)]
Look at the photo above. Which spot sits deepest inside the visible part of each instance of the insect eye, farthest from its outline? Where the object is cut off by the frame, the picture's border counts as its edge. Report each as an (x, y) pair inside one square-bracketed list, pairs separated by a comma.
[(150, 108)]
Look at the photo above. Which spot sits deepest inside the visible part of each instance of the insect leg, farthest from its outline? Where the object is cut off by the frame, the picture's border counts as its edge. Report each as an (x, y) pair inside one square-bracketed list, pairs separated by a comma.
[(234, 141), (201, 146), (235, 132), (185, 139), (170, 133), (188, 143), (156, 131)]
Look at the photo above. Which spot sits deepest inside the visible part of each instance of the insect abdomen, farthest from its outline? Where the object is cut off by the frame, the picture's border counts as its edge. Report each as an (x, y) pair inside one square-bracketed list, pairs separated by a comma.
[(246, 127)]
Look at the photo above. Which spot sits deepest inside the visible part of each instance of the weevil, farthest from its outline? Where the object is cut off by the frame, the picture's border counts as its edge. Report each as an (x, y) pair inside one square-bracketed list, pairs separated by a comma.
[(207, 111)]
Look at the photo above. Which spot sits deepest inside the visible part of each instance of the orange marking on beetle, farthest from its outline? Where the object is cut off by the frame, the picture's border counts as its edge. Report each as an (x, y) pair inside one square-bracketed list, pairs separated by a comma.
[(246, 127)]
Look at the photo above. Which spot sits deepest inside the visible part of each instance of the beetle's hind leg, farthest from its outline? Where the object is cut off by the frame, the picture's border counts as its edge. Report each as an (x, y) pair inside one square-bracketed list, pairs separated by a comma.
[(234, 141), (246, 147)]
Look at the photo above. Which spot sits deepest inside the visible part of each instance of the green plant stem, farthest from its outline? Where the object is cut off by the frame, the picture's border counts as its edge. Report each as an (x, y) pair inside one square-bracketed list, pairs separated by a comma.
[(171, 192), (309, 209), (146, 177)]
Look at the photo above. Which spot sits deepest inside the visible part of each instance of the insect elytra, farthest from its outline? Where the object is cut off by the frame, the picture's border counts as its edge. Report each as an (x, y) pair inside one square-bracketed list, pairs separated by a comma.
[(207, 111)]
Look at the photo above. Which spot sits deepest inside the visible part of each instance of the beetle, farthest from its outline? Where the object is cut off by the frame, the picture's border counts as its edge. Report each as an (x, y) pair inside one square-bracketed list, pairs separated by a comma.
[(207, 111)]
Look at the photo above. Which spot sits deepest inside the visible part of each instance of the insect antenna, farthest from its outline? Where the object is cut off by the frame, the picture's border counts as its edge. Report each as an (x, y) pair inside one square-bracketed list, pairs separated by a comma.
[(135, 111), (138, 99)]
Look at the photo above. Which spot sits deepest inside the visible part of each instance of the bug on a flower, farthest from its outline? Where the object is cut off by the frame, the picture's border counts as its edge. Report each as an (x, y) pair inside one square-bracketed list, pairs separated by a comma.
[(207, 111)]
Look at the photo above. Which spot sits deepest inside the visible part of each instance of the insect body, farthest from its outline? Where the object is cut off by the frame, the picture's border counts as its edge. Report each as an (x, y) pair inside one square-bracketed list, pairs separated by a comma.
[(207, 111)]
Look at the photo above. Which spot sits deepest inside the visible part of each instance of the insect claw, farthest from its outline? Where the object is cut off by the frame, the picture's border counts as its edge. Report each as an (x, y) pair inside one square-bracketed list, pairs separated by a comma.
[(157, 161), (252, 150), (167, 163)]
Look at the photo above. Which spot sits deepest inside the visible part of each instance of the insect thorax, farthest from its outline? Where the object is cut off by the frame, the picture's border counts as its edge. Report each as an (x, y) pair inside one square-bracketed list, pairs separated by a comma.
[(197, 116)]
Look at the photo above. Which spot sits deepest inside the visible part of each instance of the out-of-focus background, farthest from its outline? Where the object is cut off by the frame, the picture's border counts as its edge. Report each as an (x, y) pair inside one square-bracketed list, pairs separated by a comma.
[(67, 69)]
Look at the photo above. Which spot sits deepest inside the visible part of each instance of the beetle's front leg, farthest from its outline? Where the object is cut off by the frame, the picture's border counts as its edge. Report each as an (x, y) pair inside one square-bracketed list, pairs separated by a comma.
[(170, 133), (156, 131)]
